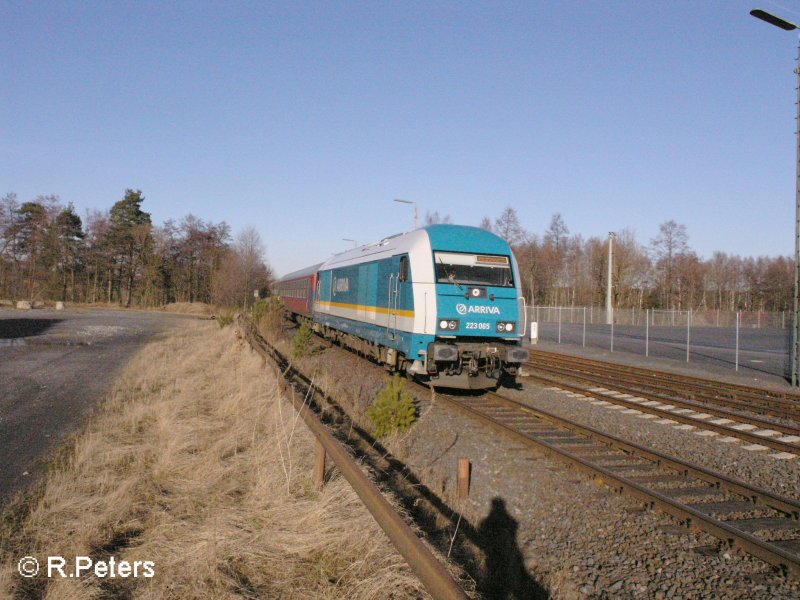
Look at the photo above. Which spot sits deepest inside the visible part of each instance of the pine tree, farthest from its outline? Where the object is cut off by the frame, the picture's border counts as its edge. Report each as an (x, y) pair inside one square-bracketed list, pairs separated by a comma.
[(129, 236)]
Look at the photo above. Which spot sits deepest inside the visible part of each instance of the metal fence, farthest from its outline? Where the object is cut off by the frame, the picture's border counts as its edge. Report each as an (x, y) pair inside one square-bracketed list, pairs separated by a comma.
[(639, 316), (758, 341)]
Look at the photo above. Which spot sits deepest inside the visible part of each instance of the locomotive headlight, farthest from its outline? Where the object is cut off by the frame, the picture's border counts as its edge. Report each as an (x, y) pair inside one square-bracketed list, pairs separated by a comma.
[(448, 324), (506, 326)]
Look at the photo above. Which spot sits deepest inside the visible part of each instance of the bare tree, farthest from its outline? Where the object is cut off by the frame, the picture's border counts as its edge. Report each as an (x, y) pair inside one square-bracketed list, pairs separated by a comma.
[(529, 257), (435, 219), (243, 270), (671, 242), (251, 254), (508, 227), (555, 248), (557, 233), (98, 255), (717, 281), (631, 266), (9, 242)]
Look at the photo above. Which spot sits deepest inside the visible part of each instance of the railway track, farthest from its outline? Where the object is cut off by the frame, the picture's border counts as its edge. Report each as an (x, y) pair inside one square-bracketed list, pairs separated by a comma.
[(433, 575), (782, 404), (743, 516), (662, 400), (728, 424)]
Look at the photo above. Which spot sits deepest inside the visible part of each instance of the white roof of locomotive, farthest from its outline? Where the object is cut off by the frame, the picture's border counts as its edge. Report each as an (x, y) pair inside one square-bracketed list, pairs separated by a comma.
[(396, 244)]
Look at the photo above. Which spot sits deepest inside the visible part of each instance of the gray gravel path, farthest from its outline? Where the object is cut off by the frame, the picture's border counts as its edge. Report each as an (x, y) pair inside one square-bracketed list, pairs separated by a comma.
[(54, 366)]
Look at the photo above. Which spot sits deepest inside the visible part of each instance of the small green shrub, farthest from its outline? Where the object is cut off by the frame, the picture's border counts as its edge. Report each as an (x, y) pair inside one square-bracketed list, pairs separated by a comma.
[(393, 409), (262, 308), (268, 314), (258, 310), (302, 341), (225, 318)]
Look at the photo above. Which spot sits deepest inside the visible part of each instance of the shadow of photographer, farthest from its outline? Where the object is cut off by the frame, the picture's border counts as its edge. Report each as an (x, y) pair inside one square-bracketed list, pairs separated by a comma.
[(505, 573)]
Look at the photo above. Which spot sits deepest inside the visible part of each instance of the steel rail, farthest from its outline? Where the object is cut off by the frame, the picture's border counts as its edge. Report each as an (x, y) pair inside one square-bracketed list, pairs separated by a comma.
[(699, 423), (433, 575), (664, 399), (769, 552), (674, 386), (721, 389), (754, 496), (776, 501), (716, 387)]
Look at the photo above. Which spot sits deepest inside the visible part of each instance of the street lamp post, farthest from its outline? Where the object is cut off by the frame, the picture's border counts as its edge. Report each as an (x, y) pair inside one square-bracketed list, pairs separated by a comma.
[(415, 208), (789, 26), (609, 295)]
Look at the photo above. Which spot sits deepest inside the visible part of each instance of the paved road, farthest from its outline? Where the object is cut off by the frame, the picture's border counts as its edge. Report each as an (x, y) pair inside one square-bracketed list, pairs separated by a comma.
[(762, 352), (54, 367)]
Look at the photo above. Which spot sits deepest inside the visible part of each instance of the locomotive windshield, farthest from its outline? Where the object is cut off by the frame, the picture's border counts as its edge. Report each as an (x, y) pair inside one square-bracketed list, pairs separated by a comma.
[(473, 269)]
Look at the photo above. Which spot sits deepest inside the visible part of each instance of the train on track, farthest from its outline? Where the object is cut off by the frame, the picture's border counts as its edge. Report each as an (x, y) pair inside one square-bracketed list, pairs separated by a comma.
[(441, 303)]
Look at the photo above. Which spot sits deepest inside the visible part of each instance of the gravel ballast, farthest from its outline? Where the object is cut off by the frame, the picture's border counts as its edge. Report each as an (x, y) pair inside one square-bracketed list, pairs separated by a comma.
[(729, 457), (550, 530)]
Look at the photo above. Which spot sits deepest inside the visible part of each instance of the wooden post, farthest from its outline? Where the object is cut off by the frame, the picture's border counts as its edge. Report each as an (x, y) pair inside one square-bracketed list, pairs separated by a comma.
[(464, 471), (319, 467)]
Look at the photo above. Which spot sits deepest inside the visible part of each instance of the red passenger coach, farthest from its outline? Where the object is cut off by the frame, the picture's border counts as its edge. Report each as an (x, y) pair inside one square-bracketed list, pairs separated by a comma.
[(296, 290)]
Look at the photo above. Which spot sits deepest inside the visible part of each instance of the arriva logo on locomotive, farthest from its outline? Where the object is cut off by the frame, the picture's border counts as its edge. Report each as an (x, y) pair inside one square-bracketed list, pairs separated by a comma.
[(463, 309)]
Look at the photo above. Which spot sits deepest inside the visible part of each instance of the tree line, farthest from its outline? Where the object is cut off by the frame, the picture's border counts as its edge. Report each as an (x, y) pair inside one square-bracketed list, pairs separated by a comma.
[(558, 268), (47, 252)]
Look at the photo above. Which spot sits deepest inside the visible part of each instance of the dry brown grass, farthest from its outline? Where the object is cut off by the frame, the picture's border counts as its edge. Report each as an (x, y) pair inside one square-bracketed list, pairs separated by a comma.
[(189, 308), (195, 463), (108, 305)]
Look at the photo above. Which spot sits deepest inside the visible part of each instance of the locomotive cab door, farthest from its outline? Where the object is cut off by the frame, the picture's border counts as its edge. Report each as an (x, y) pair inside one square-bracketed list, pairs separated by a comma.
[(397, 281), (391, 325)]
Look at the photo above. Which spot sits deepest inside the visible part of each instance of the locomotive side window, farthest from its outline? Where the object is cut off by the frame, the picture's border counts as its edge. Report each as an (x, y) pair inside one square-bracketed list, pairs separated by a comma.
[(404, 268), (473, 269)]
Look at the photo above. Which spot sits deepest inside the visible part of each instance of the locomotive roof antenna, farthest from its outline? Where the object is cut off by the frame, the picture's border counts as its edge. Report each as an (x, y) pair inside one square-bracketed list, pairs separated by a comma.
[(355, 243), (415, 208), (789, 26)]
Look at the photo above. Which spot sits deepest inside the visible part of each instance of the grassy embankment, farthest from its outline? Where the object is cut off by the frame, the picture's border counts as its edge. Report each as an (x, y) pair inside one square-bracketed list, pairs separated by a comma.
[(194, 463)]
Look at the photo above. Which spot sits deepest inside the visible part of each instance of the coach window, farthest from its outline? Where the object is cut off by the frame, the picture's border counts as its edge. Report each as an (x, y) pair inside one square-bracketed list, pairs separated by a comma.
[(403, 268)]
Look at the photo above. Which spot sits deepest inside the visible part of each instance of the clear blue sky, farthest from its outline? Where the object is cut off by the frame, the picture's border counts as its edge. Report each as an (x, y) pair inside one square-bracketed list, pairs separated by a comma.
[(305, 119)]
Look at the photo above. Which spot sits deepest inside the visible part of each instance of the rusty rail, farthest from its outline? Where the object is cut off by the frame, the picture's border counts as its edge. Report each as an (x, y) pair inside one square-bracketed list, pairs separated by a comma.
[(433, 575), (591, 450)]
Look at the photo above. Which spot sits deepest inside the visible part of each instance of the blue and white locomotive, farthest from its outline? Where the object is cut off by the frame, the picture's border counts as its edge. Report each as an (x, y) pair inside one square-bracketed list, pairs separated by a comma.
[(441, 303)]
